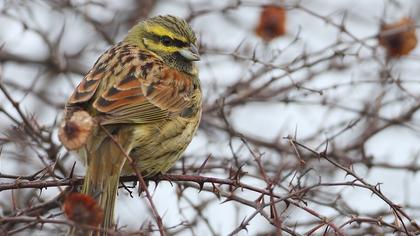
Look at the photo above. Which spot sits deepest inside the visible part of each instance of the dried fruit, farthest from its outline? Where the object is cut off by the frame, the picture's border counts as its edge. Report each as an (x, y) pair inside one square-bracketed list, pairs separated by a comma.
[(75, 130), (398, 38), (272, 23), (83, 209)]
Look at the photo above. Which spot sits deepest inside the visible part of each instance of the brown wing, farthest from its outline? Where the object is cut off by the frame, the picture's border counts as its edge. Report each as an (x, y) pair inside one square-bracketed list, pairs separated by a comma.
[(128, 85), (101, 72)]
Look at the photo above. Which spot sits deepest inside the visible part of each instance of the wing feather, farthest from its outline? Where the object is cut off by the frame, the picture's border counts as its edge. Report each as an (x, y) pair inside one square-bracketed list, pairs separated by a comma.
[(130, 85)]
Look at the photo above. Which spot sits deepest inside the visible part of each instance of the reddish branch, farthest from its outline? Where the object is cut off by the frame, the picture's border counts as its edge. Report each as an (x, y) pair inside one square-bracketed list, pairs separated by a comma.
[(268, 175)]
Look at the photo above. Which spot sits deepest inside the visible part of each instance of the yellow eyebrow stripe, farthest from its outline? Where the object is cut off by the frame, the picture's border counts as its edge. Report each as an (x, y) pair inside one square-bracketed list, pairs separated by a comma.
[(161, 31)]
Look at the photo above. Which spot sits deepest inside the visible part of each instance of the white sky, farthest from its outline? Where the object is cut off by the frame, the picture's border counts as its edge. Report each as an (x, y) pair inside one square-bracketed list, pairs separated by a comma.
[(396, 145)]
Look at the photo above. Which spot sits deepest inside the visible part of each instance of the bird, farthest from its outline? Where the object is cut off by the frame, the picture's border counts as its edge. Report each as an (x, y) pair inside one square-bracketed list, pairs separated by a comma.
[(144, 93)]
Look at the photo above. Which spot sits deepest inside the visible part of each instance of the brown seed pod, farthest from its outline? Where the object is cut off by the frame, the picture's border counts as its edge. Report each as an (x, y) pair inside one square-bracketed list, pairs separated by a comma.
[(74, 131), (272, 23), (83, 209), (398, 38)]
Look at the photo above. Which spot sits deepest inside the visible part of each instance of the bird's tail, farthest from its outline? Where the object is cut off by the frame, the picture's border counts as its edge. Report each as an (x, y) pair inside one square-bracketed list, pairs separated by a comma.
[(103, 170)]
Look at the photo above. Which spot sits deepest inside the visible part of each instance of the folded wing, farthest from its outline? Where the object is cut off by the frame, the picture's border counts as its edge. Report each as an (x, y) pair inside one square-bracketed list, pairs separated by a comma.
[(129, 85)]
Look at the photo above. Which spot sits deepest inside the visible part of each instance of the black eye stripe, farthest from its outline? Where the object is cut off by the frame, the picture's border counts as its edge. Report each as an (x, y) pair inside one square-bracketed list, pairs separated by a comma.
[(167, 41), (179, 43)]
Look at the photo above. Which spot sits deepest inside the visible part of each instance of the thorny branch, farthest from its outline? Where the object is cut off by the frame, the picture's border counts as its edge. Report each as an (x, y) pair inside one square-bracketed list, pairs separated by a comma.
[(283, 121)]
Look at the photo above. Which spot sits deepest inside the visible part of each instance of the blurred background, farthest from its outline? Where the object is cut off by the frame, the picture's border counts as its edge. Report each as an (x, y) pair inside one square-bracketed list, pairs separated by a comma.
[(310, 126)]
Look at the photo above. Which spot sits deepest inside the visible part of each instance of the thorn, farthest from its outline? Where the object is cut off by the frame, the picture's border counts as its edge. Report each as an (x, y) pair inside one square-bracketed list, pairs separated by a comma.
[(244, 225), (324, 153), (259, 199), (72, 171), (228, 199), (287, 204), (201, 184), (216, 191), (156, 185), (157, 180), (203, 165), (183, 166)]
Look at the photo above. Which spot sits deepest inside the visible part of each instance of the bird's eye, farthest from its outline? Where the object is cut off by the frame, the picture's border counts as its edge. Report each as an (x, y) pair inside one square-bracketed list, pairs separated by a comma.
[(165, 40)]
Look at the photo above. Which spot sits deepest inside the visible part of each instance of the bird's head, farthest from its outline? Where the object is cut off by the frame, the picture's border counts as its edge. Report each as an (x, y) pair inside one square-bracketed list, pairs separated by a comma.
[(170, 38)]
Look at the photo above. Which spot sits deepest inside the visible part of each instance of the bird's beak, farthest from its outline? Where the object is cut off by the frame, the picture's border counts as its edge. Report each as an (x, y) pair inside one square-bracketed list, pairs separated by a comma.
[(190, 53)]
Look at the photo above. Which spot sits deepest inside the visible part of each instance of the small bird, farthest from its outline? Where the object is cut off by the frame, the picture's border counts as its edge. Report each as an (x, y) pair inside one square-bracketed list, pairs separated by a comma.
[(146, 93)]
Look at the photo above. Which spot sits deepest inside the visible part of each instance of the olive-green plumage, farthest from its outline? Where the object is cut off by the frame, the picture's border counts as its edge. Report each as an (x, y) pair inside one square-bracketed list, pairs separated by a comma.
[(145, 91)]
